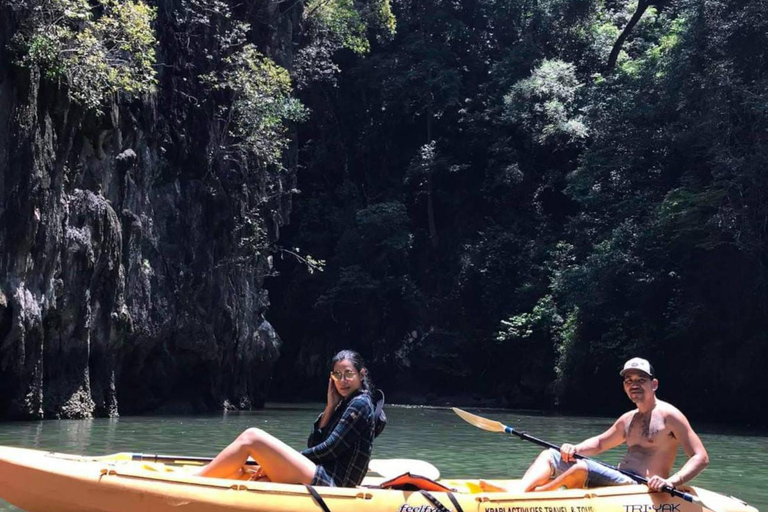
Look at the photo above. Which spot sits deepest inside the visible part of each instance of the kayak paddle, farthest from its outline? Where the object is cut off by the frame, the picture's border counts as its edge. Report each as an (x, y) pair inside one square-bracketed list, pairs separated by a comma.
[(496, 426), (387, 468)]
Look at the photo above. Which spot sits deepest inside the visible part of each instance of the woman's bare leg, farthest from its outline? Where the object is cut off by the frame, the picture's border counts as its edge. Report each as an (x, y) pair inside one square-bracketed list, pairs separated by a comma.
[(574, 478), (280, 462), (538, 473)]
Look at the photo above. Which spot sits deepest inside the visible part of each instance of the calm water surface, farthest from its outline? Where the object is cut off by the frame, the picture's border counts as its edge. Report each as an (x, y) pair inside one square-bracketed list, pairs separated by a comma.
[(739, 460)]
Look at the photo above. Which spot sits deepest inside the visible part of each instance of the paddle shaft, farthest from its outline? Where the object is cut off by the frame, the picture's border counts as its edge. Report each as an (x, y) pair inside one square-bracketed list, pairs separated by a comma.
[(637, 478), (174, 458)]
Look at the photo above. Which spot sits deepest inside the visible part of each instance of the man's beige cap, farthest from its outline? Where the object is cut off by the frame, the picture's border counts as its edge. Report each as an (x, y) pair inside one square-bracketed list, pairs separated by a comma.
[(637, 363)]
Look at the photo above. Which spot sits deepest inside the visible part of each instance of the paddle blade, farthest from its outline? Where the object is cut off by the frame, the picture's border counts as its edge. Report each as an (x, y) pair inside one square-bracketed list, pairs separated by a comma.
[(479, 421), (390, 468), (717, 502)]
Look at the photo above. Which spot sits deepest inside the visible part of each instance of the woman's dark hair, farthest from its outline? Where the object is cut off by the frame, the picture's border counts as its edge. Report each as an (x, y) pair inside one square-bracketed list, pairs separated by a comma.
[(357, 361), (377, 395)]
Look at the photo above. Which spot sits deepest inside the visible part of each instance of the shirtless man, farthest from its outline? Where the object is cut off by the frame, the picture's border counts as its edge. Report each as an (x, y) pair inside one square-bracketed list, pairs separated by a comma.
[(653, 432)]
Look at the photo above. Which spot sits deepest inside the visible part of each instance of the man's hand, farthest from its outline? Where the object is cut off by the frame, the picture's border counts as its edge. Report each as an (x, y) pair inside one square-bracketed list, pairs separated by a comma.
[(657, 483), (567, 452)]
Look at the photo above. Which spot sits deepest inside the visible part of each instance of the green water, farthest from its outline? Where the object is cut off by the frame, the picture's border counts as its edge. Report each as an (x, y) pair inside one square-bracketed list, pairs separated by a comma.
[(738, 459)]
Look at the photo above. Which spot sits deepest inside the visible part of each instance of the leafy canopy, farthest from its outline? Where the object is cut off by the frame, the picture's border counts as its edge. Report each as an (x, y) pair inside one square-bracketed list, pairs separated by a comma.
[(97, 49), (256, 120), (347, 22)]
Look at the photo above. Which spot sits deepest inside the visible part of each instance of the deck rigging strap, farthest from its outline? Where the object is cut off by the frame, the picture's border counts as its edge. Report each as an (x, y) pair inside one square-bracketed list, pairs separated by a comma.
[(455, 502), (439, 506), (318, 499)]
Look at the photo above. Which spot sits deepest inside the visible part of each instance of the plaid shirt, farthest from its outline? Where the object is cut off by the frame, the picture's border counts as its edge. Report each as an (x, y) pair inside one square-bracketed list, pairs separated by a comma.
[(343, 448)]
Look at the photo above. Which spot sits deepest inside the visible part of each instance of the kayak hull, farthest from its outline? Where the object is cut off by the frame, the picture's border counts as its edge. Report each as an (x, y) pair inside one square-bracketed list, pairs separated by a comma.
[(39, 481)]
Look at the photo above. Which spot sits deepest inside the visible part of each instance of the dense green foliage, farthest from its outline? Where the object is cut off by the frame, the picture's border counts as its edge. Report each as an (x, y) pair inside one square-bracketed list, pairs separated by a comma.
[(505, 212), (255, 120), (97, 49), (508, 198)]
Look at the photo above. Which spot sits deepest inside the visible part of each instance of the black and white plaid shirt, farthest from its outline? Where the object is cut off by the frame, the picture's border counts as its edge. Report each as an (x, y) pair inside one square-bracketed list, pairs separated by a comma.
[(343, 447)]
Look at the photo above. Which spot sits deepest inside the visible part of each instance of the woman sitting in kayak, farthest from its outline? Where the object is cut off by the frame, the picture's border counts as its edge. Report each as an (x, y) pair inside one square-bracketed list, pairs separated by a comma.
[(340, 444)]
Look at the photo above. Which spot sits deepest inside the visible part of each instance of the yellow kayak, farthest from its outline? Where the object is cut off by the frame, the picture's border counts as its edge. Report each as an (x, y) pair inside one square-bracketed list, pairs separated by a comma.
[(39, 481)]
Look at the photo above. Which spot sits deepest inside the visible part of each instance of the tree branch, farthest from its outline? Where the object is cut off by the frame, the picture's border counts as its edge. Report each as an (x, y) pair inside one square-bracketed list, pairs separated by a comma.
[(642, 6)]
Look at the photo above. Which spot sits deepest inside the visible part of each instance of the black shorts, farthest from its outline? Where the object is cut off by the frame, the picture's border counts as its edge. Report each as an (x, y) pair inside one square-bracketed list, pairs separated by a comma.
[(322, 478)]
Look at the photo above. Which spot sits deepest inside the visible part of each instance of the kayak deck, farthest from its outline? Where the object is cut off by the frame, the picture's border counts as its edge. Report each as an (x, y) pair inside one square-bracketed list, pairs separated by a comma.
[(40, 481)]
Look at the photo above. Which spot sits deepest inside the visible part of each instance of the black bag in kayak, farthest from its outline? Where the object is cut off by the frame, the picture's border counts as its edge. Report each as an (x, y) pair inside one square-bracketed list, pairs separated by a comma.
[(379, 415)]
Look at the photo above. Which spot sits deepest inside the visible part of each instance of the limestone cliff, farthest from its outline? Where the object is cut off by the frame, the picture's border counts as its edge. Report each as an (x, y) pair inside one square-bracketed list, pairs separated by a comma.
[(124, 283)]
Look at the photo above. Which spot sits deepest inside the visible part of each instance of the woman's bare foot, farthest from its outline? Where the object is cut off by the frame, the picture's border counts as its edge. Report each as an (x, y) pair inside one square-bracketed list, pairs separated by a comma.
[(489, 487)]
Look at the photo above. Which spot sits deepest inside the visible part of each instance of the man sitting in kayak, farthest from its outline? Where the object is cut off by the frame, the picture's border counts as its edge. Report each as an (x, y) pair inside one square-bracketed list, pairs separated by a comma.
[(653, 432), (340, 444)]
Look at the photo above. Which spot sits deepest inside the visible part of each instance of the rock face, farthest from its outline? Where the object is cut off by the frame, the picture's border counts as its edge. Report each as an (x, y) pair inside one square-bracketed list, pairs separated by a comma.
[(124, 286)]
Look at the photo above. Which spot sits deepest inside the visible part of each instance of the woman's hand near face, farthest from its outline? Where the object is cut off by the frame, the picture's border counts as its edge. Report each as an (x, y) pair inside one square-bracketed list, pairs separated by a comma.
[(333, 395), (333, 400)]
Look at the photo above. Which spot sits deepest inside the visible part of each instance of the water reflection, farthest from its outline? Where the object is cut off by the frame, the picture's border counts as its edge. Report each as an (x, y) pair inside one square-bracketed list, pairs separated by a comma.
[(437, 435)]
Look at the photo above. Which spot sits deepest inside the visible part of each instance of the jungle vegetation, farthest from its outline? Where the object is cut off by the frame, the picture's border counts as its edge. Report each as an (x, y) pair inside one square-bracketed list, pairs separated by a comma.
[(500, 200), (512, 197)]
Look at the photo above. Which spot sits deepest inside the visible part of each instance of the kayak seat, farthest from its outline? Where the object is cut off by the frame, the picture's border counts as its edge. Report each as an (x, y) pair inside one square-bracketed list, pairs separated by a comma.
[(411, 482), (423, 485)]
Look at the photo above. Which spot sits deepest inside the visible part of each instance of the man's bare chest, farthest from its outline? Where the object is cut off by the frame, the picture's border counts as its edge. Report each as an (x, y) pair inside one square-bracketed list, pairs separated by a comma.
[(650, 430)]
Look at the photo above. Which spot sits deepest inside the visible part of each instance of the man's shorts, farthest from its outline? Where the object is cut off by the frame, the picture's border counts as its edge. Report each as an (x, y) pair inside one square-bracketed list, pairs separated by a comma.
[(597, 474)]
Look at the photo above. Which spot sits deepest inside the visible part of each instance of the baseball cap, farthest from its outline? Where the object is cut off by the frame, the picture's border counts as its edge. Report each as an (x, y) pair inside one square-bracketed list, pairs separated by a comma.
[(637, 363)]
